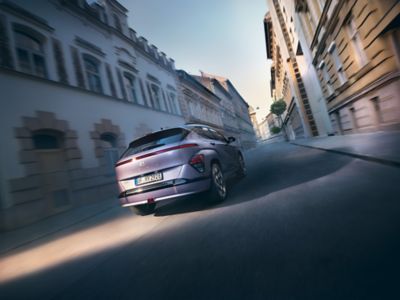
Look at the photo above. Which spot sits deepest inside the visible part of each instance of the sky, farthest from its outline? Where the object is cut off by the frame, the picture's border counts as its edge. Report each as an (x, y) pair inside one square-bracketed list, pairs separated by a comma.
[(221, 37)]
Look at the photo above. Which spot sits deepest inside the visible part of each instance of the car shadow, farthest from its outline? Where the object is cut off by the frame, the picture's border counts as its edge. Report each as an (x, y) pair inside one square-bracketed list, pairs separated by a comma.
[(270, 168)]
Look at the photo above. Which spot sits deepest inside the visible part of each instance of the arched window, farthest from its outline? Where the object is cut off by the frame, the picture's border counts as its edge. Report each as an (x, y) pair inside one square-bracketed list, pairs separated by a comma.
[(47, 140), (111, 153), (30, 53), (130, 84), (92, 69)]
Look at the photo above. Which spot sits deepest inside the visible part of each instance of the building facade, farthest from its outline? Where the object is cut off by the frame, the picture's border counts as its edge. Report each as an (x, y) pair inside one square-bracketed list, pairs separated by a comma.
[(198, 103), (226, 106), (355, 48), (235, 110), (283, 43), (264, 129), (342, 60), (77, 86), (254, 121)]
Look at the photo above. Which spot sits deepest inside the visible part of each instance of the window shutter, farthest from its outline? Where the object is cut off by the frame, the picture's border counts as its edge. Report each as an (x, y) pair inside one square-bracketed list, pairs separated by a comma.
[(78, 68), (111, 81), (60, 62), (145, 102), (6, 59), (121, 84)]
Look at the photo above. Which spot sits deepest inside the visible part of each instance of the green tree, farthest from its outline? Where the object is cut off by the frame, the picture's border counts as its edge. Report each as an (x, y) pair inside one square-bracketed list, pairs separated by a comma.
[(275, 130), (278, 108)]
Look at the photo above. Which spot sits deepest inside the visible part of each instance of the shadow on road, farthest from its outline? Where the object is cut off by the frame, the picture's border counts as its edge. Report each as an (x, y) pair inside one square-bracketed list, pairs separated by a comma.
[(342, 248), (271, 168)]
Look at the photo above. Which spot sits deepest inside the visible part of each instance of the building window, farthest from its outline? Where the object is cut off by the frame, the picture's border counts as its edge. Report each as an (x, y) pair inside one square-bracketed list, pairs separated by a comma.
[(353, 117), (337, 63), (338, 120), (189, 106), (117, 23), (326, 77), (46, 140), (30, 54), (377, 110), (92, 69), (172, 103), (356, 43), (130, 84), (155, 95)]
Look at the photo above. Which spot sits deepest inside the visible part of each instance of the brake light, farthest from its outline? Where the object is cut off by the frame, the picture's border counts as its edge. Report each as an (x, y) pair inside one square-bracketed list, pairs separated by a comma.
[(123, 162), (197, 162), (166, 150)]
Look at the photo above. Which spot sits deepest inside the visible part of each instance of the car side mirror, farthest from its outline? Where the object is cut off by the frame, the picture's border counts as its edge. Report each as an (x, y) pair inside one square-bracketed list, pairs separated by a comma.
[(231, 139)]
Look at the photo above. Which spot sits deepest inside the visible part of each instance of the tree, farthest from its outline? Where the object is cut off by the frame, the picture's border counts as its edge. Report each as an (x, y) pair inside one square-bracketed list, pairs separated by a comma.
[(275, 130), (278, 108)]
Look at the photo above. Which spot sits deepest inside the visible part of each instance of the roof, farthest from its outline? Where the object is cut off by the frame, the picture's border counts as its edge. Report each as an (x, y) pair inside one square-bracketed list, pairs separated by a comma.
[(210, 83), (225, 83), (119, 5), (183, 75)]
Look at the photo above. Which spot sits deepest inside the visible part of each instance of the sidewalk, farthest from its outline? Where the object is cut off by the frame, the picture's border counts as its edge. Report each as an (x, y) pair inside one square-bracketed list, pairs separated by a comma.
[(19, 237), (381, 147)]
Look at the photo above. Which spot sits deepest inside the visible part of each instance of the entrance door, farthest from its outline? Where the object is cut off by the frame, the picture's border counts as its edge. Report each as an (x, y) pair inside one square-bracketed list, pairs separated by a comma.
[(53, 169)]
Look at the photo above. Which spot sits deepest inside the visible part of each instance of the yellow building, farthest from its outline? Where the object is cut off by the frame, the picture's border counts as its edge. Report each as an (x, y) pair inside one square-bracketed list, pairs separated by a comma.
[(279, 84), (355, 48)]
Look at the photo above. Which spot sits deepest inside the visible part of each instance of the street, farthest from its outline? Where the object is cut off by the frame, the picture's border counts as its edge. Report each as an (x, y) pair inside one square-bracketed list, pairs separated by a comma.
[(303, 224)]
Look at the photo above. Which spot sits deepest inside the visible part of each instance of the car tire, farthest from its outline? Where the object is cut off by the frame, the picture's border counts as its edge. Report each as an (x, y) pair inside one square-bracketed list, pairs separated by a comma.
[(144, 209), (242, 167), (218, 189)]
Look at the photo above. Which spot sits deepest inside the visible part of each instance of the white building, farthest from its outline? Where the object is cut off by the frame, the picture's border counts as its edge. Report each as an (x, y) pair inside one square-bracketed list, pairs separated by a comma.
[(77, 85), (198, 103), (235, 110)]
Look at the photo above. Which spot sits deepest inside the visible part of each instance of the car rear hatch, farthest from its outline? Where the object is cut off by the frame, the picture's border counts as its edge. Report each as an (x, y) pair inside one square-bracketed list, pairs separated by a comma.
[(154, 158)]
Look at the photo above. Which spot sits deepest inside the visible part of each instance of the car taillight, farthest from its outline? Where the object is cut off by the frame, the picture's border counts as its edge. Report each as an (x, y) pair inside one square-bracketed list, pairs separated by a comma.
[(123, 162), (166, 150), (197, 162)]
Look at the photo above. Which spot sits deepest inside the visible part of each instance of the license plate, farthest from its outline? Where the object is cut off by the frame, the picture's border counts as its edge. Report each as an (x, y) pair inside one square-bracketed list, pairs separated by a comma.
[(148, 178)]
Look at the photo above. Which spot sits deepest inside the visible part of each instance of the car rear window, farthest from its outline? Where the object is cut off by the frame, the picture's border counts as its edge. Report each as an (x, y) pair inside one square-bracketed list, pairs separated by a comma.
[(155, 140)]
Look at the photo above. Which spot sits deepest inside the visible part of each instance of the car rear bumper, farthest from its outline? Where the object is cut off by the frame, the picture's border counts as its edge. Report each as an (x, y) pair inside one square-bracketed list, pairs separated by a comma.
[(163, 191)]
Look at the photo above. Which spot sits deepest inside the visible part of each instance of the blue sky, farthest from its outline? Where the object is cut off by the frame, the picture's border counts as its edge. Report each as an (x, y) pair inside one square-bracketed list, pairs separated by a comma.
[(223, 37)]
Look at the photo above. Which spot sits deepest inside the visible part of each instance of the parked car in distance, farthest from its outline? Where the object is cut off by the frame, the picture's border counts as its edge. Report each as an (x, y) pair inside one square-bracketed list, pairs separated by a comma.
[(177, 162)]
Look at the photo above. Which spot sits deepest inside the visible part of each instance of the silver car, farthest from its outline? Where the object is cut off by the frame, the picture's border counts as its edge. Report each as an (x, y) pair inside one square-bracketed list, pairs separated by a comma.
[(177, 162)]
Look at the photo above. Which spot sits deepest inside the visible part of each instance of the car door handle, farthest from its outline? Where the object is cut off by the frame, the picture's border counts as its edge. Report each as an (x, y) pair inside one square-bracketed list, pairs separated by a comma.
[(212, 144)]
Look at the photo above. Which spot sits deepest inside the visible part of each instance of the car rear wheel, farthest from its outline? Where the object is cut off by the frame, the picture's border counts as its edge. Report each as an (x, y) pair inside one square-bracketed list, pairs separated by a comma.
[(218, 188), (144, 209)]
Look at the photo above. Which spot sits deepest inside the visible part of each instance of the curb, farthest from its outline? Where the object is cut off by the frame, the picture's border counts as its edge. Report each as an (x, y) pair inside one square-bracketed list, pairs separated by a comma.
[(383, 161)]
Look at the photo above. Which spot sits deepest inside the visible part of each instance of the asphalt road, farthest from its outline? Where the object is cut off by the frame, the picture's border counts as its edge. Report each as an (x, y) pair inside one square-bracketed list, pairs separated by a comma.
[(304, 224)]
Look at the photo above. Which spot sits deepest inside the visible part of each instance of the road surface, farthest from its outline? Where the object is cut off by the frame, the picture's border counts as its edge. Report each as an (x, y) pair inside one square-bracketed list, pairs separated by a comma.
[(304, 224)]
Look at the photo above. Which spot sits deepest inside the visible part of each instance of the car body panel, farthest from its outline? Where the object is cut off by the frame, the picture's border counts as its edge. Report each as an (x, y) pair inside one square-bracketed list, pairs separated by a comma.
[(172, 160)]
